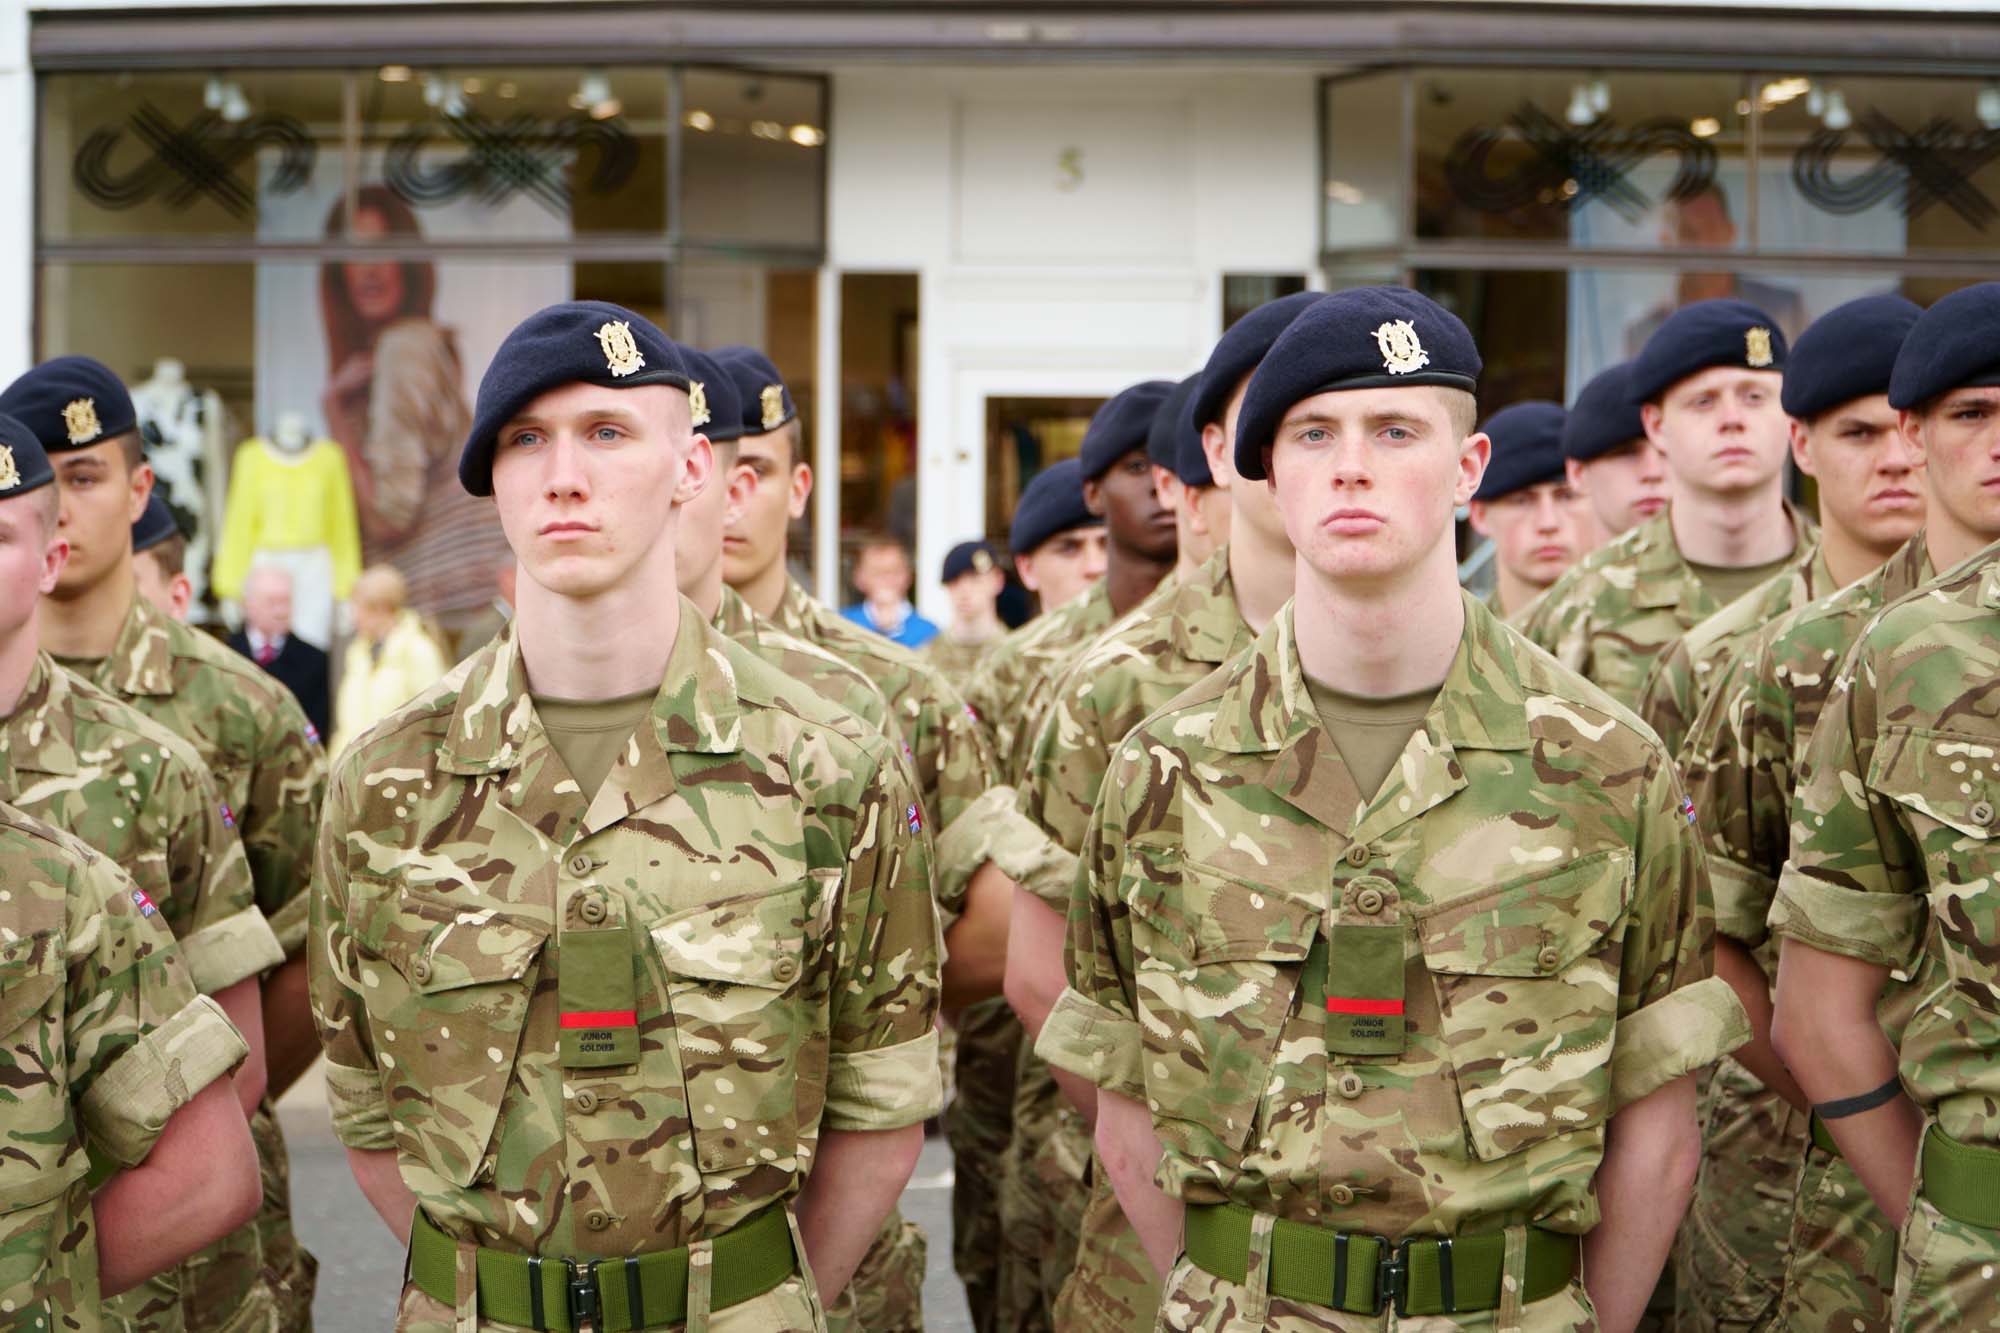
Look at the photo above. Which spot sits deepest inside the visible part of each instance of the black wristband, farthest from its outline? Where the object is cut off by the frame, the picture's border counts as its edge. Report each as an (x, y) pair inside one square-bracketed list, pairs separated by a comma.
[(1867, 1101)]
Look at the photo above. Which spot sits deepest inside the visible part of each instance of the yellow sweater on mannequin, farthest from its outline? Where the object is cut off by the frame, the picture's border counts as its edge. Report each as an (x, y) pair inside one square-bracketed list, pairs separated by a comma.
[(285, 502)]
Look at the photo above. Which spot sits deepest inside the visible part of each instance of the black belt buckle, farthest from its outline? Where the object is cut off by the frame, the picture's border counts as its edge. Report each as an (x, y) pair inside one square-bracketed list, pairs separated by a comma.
[(584, 1308), (1392, 1276)]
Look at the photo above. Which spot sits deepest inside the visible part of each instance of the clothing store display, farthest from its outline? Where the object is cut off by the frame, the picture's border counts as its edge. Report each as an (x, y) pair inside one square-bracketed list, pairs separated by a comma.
[(294, 510), (186, 434)]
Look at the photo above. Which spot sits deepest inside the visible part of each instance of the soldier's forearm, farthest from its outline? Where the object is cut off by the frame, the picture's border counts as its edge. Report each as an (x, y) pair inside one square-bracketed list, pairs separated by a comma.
[(975, 965), (1734, 965), (290, 1043), (1131, 1153), (198, 1184), (856, 1179), (244, 1004), (1652, 1150), (1036, 939), (382, 1185)]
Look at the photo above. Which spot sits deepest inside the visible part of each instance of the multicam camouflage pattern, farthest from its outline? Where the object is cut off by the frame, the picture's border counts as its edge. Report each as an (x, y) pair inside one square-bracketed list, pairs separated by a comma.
[(73, 756), (265, 760), (954, 769), (102, 1039), (977, 1124), (1892, 863), (1685, 672), (1621, 605), (999, 690), (1532, 851), (957, 658), (772, 875), (1196, 1301), (857, 703), (1179, 634)]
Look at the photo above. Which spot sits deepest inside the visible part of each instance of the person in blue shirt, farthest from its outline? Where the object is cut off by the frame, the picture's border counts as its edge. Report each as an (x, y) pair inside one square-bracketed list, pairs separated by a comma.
[(883, 576)]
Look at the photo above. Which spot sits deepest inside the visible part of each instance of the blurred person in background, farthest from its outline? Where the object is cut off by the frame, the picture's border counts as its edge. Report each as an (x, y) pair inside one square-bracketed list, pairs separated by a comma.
[(883, 577), (392, 659), (972, 579), (159, 560), (267, 639)]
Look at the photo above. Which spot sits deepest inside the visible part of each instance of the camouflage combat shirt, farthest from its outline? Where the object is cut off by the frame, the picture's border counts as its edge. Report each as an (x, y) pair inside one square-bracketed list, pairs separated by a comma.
[(999, 689), (954, 769), (769, 877), (104, 1039), (1530, 854), (1622, 604), (1682, 676), (956, 657), (1894, 828), (75, 757)]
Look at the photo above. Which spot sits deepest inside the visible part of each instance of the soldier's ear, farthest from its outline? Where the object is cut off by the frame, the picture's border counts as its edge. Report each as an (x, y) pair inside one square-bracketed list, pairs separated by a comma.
[(1473, 456), (696, 472)]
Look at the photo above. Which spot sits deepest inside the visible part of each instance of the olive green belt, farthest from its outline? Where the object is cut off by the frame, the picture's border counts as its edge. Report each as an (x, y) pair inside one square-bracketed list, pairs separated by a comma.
[(1365, 1274), (1962, 1180), (606, 1295)]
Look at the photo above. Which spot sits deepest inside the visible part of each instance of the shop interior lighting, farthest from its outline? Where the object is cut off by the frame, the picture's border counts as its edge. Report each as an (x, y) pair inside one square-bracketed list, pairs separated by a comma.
[(1600, 96), (1779, 92), (807, 136), (227, 97), (699, 121), (472, 87), (442, 97), (506, 91), (593, 94), (1837, 117), (1704, 127), (1580, 110), (1987, 106), (767, 129), (395, 74), (1816, 103)]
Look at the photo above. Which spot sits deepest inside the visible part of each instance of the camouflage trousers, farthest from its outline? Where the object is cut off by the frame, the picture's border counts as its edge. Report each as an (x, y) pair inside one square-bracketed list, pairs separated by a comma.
[(1947, 1272), (886, 1293), (977, 1123), (1113, 1287), (1041, 1207), (1842, 1273), (256, 1280), (1729, 1258), (1194, 1301)]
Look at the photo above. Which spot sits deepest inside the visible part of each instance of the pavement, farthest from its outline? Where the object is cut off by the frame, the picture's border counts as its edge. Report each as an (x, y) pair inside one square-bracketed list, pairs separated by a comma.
[(361, 1266)]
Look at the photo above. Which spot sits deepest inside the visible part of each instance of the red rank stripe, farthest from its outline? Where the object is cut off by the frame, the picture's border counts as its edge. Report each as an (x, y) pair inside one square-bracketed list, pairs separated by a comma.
[(607, 1018), (1386, 1008)]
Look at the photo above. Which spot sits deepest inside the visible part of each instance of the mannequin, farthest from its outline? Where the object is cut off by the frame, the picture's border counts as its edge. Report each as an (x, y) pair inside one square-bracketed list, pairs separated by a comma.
[(291, 504), (184, 429)]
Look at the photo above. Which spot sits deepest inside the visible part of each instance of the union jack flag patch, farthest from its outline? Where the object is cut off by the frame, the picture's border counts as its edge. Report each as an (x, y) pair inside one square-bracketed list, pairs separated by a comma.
[(143, 903), (916, 818), (1687, 808), (228, 817), (312, 733)]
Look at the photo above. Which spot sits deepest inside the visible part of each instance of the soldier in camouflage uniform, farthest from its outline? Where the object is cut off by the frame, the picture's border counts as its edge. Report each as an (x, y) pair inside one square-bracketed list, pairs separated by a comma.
[(1732, 1256), (109, 1056), (1184, 631), (1451, 1076), (668, 1005), (1184, 484), (1538, 522), (264, 760), (1607, 456), (972, 579), (1891, 871), (1707, 383)]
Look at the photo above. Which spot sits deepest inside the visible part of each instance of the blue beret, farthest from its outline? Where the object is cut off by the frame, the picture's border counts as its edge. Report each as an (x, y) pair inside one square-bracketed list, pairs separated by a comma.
[(1604, 416), (1527, 448), (1956, 345), (24, 464), (576, 342), (1121, 426), (1051, 504), (70, 403), (1701, 335), (1239, 351), (767, 403), (155, 525), (717, 410), (1848, 353), (1361, 338), (969, 558), (1174, 441)]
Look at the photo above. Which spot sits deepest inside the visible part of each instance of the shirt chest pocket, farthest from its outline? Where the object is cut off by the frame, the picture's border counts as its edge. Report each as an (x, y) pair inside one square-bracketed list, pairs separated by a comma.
[(38, 1153), (1527, 982), (447, 988), (1216, 967), (1948, 787), (749, 999)]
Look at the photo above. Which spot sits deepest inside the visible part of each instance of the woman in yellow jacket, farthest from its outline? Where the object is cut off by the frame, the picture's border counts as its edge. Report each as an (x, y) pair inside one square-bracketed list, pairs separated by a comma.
[(392, 659)]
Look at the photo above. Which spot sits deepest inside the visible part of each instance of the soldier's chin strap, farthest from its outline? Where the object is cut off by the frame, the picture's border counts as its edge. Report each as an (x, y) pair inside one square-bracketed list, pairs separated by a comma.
[(1841, 1108)]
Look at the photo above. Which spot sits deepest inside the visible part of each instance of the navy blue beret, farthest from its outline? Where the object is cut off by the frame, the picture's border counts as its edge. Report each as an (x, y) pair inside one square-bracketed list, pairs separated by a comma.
[(1121, 426), (155, 525), (1239, 351), (713, 403), (767, 403), (1051, 504), (1361, 338), (1527, 448), (576, 342), (70, 403), (1701, 335), (1604, 416), (1848, 353), (24, 464), (1174, 441), (1956, 345), (969, 558)]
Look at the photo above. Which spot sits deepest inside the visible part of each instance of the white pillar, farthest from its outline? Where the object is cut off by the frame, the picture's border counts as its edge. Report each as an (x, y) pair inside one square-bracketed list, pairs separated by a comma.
[(17, 205)]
